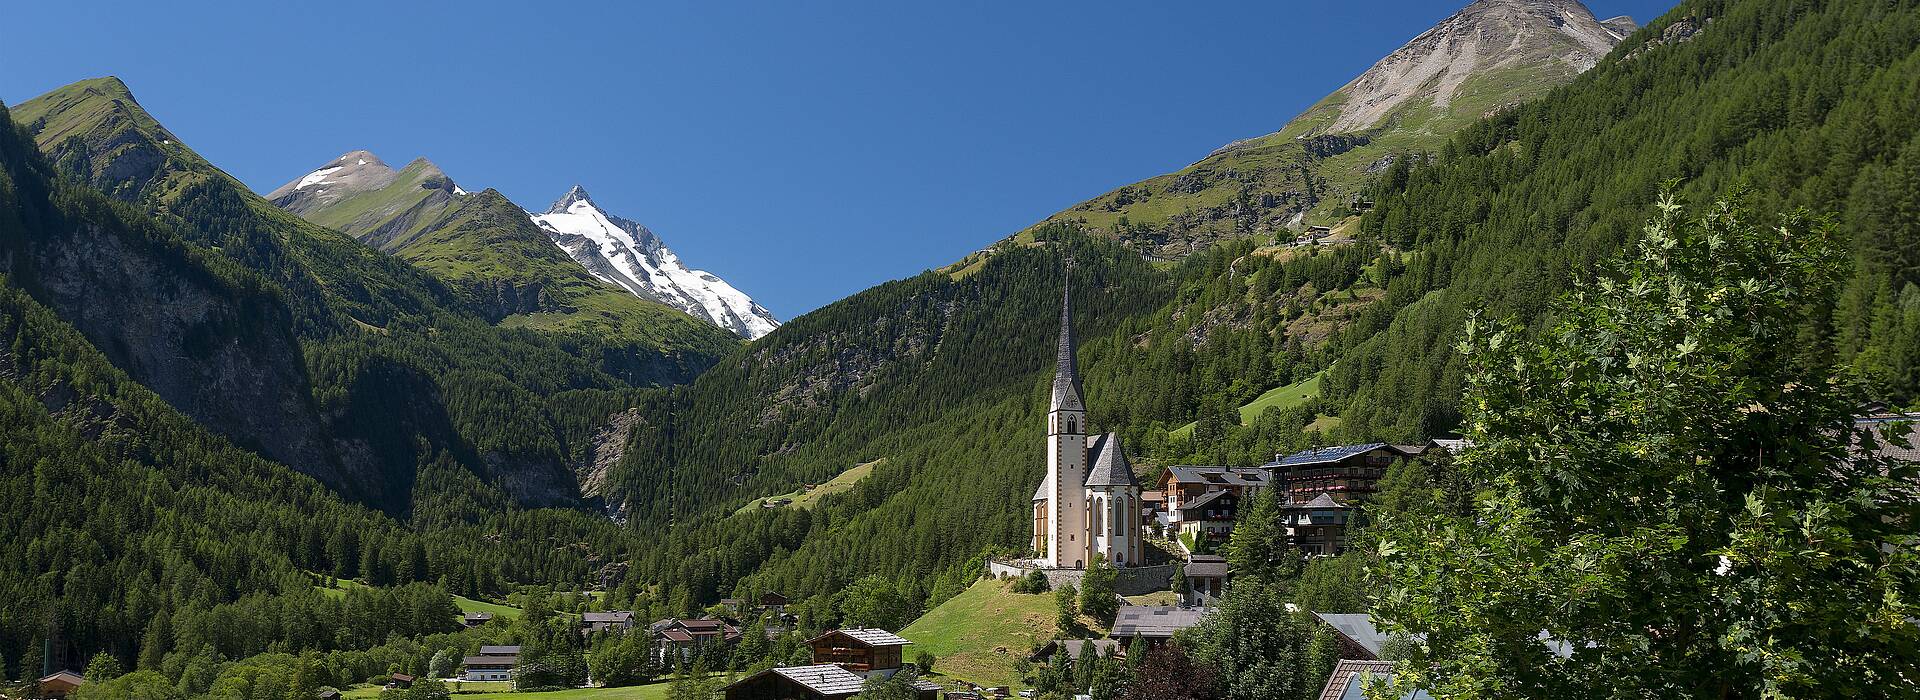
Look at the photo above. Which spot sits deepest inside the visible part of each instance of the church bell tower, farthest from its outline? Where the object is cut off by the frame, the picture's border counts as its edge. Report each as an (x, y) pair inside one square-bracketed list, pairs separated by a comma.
[(1067, 429)]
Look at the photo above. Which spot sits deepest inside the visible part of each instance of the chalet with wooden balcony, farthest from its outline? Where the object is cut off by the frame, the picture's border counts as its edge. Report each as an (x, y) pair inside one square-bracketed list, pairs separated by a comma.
[(1346, 473), (867, 652)]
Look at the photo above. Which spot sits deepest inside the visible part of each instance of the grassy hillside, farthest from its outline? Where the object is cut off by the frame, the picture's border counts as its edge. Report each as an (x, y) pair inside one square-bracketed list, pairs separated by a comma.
[(806, 498), (1280, 398), (389, 217), (978, 634), (486, 249), (467, 605), (1258, 185)]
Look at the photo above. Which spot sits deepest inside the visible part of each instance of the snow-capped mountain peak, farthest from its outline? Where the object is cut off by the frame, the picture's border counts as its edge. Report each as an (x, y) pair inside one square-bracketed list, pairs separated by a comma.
[(628, 255)]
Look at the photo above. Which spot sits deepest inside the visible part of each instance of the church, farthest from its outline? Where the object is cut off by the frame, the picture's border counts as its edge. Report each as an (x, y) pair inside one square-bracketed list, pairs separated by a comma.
[(1089, 501)]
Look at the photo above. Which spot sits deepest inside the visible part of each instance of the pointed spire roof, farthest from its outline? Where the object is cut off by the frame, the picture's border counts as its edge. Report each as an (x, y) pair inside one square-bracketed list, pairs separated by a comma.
[(1108, 464), (1066, 371)]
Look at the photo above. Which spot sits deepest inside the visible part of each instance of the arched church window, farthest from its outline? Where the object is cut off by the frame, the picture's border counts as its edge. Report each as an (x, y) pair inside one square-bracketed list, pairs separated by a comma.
[(1073, 426)]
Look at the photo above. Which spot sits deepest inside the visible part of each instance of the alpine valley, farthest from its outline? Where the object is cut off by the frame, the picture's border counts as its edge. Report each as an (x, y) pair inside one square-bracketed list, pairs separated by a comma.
[(257, 447)]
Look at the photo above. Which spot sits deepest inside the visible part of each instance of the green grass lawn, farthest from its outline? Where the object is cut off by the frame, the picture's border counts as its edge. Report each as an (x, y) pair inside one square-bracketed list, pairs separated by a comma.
[(467, 605), (504, 612), (502, 690), (1283, 398), (806, 499), (977, 635), (1155, 598)]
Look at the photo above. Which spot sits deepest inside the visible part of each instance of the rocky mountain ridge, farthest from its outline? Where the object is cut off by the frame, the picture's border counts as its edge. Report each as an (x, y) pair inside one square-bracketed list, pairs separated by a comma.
[(360, 195), (627, 254), (1489, 56), (1486, 36)]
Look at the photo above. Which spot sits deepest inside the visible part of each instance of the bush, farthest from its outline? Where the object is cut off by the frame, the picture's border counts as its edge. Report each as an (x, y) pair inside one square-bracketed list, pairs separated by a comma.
[(1033, 582), (925, 661)]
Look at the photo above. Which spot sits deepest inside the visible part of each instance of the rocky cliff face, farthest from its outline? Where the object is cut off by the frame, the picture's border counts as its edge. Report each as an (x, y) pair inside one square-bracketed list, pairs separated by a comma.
[(210, 339)]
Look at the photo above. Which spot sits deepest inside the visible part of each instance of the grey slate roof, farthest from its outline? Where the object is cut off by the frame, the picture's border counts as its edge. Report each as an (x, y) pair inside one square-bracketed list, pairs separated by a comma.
[(1884, 427), (825, 679), (1066, 371), (1222, 476), (1357, 627), (1157, 621), (1322, 501), (1203, 501), (500, 651), (1107, 463), (868, 636), (1205, 566)]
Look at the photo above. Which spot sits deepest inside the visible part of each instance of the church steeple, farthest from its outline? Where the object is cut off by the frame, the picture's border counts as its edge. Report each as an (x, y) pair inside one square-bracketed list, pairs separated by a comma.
[(1066, 372)]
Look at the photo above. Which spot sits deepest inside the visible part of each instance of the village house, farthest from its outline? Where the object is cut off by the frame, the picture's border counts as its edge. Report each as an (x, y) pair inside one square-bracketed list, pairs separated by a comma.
[(1206, 576), (1318, 526), (1195, 506), (1347, 473), (816, 682), (868, 652), (476, 619), (686, 637), (492, 663), (400, 681), (843, 660), (606, 621), (1153, 623), (60, 684), (774, 601)]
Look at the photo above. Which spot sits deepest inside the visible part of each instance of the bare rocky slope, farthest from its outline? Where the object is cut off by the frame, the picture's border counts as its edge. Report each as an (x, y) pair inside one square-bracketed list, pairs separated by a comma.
[(1489, 56)]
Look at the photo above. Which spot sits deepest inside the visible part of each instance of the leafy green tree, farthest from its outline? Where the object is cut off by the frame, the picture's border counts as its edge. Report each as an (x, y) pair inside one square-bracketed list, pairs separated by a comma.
[(622, 660), (1257, 648), (1667, 488), (1258, 546), (443, 664), (139, 685), (898, 686), (104, 667), (1066, 601), (1034, 582), (1097, 597), (875, 601), (1167, 673)]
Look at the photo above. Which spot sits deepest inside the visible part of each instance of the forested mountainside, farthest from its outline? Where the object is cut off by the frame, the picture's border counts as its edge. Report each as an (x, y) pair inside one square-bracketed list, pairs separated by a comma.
[(134, 530), (392, 369), (1489, 56), (1499, 218)]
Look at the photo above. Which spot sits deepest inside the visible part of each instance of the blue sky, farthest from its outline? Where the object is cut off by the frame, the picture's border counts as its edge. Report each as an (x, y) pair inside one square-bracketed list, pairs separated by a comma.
[(801, 150)]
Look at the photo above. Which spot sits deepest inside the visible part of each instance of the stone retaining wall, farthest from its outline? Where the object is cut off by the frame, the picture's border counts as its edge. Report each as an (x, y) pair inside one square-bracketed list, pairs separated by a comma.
[(1133, 580)]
